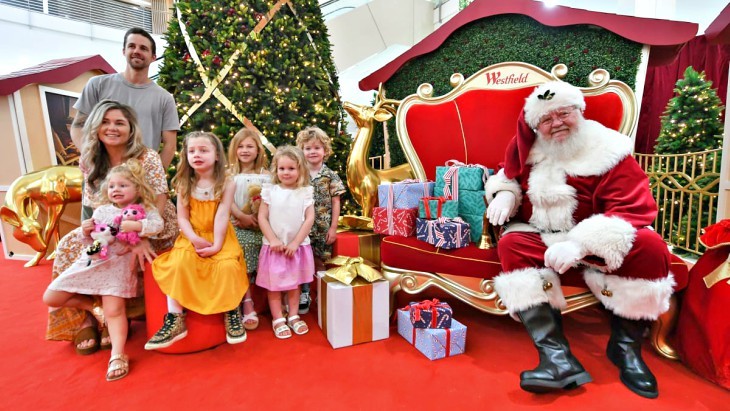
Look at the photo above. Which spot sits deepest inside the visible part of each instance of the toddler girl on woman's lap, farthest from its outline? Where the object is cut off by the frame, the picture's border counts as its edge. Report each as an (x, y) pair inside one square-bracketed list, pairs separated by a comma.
[(106, 268), (248, 163), (286, 216), (205, 271)]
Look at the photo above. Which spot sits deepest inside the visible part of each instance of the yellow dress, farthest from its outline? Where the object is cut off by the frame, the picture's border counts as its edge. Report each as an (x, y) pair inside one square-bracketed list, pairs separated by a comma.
[(205, 285)]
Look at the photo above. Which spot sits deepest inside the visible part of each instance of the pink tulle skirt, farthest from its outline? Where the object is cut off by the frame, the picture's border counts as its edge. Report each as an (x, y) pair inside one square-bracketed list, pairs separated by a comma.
[(278, 272)]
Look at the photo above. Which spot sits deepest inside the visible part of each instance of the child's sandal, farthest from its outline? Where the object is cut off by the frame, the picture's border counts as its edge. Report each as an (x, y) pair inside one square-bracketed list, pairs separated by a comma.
[(250, 320), (117, 362), (298, 325), (281, 330)]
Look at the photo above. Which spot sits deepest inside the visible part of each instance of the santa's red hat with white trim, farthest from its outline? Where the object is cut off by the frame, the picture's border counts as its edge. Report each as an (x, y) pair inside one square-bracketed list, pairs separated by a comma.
[(545, 99)]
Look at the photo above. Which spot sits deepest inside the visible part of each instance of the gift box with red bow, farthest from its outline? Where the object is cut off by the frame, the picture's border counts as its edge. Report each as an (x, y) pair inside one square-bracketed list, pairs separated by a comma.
[(430, 314), (434, 343)]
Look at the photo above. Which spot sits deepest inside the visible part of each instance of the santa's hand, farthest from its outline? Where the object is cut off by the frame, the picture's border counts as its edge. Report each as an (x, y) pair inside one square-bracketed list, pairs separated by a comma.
[(563, 255), (500, 207)]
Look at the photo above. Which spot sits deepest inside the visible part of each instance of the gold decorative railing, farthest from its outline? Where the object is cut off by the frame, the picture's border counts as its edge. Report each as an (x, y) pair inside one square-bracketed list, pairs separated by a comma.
[(685, 187)]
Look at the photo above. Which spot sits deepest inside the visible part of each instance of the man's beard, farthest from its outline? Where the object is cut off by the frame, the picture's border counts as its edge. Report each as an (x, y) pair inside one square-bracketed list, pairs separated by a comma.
[(566, 149)]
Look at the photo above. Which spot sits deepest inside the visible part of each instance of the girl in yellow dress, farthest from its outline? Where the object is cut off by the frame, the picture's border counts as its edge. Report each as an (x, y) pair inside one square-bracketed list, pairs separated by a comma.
[(205, 271)]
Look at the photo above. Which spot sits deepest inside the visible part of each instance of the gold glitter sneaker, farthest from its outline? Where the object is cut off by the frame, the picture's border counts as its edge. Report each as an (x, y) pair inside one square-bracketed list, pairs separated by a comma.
[(235, 333), (173, 329)]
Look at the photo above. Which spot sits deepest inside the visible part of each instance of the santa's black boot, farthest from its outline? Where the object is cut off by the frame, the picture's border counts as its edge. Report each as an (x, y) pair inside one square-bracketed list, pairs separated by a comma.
[(558, 368), (624, 350)]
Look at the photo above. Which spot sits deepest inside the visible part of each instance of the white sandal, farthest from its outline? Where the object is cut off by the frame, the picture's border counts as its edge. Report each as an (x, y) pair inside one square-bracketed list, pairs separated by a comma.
[(281, 328), (252, 317), (297, 325)]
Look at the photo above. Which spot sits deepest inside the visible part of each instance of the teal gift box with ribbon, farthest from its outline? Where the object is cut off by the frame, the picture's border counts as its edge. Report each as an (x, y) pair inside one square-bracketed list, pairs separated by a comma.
[(432, 208)]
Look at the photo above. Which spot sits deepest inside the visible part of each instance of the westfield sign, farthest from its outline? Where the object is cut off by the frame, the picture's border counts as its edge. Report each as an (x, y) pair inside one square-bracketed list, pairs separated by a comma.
[(495, 77)]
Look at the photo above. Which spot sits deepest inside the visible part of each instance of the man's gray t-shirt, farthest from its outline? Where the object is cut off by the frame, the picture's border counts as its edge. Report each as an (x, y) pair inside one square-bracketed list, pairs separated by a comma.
[(155, 107)]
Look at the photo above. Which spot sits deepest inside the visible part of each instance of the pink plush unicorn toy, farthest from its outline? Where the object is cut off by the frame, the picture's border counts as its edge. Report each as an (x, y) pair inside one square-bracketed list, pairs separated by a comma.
[(133, 212)]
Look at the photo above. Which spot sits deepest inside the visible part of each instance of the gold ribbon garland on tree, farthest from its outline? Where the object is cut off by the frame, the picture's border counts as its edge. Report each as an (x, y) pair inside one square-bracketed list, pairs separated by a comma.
[(211, 86)]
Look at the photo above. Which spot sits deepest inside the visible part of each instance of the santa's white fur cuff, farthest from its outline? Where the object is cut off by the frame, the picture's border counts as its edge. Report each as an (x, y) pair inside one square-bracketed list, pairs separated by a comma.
[(631, 298), (523, 289)]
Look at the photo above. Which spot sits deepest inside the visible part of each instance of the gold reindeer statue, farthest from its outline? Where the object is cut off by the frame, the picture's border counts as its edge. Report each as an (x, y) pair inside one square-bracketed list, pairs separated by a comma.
[(362, 179), (52, 188)]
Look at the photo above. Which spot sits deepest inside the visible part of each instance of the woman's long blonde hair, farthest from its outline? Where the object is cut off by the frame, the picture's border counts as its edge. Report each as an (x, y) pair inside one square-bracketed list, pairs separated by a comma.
[(133, 171), (94, 155), (296, 154), (185, 178), (261, 161)]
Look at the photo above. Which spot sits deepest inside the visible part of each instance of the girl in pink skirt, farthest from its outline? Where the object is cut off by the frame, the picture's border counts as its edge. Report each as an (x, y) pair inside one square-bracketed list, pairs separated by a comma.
[(286, 216)]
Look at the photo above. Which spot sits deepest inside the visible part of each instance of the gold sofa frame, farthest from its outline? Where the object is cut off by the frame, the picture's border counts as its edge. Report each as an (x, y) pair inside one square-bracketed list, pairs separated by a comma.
[(480, 293)]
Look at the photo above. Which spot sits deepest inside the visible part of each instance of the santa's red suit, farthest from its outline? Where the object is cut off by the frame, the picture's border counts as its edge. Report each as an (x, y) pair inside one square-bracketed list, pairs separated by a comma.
[(599, 198), (579, 204)]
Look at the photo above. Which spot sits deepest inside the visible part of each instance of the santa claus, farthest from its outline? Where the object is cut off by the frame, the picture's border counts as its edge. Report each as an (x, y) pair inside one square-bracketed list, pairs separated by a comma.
[(575, 202)]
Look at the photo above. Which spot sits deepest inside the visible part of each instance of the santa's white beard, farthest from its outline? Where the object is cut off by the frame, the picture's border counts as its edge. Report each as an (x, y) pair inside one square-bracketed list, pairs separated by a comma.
[(565, 149)]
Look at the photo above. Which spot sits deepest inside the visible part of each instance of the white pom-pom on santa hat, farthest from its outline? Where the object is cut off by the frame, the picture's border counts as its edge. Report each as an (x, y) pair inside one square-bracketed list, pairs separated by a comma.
[(550, 97)]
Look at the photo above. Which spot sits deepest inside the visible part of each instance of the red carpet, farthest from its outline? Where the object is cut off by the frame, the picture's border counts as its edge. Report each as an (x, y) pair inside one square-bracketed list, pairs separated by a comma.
[(305, 373)]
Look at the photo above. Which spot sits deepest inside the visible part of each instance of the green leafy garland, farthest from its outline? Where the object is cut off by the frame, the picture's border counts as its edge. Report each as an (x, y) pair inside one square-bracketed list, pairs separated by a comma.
[(497, 39)]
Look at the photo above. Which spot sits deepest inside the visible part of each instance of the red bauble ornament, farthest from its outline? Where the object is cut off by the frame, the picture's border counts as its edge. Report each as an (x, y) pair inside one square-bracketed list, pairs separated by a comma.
[(217, 60)]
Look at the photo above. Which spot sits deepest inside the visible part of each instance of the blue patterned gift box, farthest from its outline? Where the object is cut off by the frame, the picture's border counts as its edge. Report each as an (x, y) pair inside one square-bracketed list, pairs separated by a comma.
[(446, 233), (405, 194), (430, 314), (434, 343)]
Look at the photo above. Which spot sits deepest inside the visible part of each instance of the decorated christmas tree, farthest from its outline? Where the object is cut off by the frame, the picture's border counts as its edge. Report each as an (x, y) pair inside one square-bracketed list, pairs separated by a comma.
[(265, 65), (692, 123)]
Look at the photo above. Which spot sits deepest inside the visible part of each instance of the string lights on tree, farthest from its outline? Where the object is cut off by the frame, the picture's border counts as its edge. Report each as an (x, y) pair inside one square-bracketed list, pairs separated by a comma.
[(263, 64), (692, 123)]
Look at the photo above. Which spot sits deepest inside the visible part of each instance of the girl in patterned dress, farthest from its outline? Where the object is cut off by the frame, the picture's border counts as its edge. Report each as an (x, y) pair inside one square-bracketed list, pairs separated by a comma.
[(328, 188), (205, 271), (248, 163), (109, 275), (286, 215)]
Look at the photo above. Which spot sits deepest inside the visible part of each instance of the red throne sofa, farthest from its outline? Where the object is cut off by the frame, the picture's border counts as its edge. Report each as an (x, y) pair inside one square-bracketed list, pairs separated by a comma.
[(473, 123)]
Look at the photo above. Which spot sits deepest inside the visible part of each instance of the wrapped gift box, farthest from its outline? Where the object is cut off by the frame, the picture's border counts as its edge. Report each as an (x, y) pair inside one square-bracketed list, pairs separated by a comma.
[(355, 313), (475, 225), (434, 207), (400, 222), (430, 314), (365, 244), (434, 343), (471, 202), (405, 194), (468, 178), (446, 233)]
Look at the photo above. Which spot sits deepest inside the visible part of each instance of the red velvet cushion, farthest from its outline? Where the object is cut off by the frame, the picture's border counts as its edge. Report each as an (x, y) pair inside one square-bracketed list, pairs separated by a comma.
[(408, 253), (411, 254), (476, 126)]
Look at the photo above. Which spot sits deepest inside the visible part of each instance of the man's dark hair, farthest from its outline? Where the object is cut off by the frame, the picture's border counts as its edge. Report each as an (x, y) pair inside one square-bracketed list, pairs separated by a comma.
[(141, 32)]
